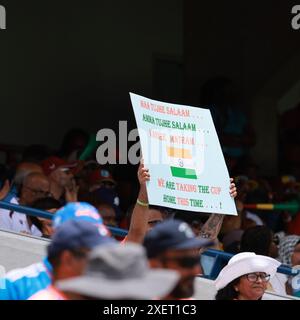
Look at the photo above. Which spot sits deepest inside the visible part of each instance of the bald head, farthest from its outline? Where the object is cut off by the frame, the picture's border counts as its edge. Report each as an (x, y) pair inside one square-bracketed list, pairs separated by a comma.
[(35, 186), (34, 177), (24, 169)]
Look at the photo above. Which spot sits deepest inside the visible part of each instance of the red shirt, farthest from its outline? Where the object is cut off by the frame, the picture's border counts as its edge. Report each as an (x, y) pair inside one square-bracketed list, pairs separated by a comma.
[(50, 293)]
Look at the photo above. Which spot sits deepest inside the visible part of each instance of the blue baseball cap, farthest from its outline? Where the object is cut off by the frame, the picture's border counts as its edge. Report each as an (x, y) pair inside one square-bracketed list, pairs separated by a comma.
[(172, 234), (79, 211), (75, 234)]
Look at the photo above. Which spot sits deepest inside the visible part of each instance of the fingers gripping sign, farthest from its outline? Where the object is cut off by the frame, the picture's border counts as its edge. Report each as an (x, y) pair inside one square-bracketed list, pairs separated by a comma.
[(233, 190), (143, 174)]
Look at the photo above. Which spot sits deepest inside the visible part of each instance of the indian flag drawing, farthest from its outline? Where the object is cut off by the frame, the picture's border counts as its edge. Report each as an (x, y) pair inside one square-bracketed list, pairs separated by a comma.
[(182, 161)]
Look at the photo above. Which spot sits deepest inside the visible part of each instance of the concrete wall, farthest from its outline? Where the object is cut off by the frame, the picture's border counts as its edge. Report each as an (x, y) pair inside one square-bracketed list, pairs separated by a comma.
[(19, 251)]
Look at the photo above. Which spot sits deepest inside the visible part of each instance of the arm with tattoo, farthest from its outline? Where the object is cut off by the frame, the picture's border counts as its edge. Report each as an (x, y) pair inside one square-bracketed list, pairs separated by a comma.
[(212, 226)]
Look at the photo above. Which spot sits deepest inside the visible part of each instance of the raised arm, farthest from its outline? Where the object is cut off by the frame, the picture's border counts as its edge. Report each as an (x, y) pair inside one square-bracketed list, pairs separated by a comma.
[(139, 218), (213, 225)]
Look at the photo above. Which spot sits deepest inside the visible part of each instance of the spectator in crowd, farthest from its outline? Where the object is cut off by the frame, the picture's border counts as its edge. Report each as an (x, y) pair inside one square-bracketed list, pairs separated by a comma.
[(22, 171), (231, 231), (260, 240), (108, 214), (245, 277), (295, 259), (45, 225), (173, 245), (102, 185), (156, 214), (62, 183), (35, 186), (196, 220), (20, 284), (116, 272), (101, 178), (108, 196), (293, 283), (82, 178), (67, 253), (233, 226), (286, 248)]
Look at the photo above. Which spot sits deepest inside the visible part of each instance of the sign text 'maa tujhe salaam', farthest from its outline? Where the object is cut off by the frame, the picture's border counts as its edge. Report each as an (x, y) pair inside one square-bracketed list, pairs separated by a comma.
[(165, 110)]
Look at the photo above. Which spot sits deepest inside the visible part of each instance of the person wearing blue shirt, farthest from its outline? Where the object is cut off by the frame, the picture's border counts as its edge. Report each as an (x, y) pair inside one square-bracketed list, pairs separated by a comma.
[(21, 284)]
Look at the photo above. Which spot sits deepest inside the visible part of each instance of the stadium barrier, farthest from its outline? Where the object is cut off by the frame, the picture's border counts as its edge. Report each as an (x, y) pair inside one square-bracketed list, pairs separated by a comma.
[(218, 259), (46, 215)]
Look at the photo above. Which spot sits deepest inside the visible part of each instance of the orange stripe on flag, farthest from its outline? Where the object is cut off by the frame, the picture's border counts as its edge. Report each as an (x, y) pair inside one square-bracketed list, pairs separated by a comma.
[(179, 153)]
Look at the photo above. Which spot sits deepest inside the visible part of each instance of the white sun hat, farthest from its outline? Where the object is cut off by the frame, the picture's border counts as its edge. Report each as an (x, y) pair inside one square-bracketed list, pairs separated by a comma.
[(244, 263)]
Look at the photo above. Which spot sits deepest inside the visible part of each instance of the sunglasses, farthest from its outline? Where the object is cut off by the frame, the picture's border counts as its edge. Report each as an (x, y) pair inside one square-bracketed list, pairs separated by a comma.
[(184, 262), (253, 277)]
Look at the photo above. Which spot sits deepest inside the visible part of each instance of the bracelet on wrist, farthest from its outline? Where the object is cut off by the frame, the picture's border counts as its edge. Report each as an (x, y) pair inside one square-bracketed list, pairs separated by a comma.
[(141, 203)]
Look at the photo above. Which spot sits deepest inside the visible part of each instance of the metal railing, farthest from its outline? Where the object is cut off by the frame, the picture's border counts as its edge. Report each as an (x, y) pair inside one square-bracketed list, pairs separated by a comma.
[(221, 257), (46, 215)]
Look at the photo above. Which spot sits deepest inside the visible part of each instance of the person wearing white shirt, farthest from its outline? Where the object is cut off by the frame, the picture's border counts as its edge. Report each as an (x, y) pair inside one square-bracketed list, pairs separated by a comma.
[(35, 186)]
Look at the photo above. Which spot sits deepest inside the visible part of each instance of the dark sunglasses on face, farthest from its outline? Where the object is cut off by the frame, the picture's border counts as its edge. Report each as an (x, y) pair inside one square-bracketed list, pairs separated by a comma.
[(185, 262)]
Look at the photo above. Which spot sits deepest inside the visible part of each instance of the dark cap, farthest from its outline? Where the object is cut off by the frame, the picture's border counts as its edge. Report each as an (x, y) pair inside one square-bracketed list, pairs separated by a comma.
[(74, 234), (172, 234), (110, 197)]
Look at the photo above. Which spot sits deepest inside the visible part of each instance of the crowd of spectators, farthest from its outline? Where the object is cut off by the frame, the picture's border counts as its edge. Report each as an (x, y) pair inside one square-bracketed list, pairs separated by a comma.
[(168, 241)]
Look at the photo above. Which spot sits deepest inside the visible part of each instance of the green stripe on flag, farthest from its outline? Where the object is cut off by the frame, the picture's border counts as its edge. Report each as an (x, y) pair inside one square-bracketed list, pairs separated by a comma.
[(183, 173)]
